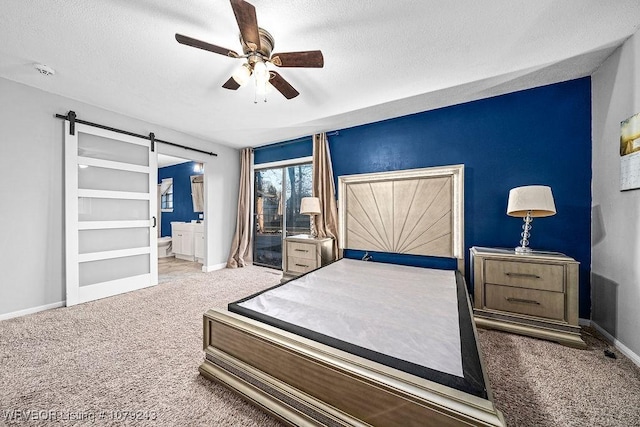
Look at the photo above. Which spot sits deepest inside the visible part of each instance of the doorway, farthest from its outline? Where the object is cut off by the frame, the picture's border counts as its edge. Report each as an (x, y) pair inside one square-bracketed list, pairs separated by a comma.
[(278, 191), (181, 213)]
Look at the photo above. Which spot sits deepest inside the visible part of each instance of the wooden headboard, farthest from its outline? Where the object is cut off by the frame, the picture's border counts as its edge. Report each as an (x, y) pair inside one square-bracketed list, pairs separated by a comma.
[(415, 211)]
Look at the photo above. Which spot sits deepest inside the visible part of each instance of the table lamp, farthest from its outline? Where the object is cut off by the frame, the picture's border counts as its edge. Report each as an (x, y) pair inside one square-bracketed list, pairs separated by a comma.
[(529, 202), (310, 206)]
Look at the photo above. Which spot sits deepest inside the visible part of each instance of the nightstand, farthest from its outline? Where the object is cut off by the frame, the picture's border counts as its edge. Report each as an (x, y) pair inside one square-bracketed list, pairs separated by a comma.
[(533, 294), (304, 253)]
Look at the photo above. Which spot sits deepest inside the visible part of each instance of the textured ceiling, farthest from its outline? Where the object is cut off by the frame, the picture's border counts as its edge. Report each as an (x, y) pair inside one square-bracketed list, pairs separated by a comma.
[(383, 58)]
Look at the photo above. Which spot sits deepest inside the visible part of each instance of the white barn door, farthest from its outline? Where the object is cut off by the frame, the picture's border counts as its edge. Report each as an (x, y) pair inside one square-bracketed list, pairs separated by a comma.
[(110, 213)]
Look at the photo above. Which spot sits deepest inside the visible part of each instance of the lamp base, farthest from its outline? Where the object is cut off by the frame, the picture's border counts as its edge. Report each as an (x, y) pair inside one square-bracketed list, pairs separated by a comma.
[(523, 250), (526, 227), (313, 232)]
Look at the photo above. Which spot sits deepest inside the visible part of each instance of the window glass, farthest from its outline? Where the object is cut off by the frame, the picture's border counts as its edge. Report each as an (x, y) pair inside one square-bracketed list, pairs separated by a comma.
[(278, 192)]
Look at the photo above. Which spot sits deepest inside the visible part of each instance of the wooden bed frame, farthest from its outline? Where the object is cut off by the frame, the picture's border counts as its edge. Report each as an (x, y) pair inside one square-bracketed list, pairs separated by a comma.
[(306, 383)]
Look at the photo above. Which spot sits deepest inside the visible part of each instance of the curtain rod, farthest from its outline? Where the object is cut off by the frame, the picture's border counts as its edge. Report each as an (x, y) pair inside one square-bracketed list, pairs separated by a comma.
[(71, 116), (302, 138)]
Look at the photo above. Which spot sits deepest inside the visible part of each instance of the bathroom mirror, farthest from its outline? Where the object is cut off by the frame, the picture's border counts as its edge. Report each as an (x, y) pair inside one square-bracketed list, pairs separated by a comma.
[(197, 192)]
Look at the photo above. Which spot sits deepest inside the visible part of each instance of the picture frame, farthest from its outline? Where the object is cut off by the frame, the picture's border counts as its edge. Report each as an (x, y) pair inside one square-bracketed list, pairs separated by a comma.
[(630, 153)]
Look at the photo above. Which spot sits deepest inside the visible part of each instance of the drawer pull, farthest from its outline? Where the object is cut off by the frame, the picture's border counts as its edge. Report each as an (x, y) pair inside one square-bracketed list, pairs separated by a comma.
[(302, 265), (301, 250), (533, 276), (526, 301)]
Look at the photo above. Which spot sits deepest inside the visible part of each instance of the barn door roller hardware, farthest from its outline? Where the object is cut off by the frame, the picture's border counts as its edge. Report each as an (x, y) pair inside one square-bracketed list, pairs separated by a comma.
[(71, 116)]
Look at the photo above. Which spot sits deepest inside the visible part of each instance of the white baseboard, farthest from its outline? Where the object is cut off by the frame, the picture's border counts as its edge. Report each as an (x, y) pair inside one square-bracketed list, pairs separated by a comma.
[(584, 322), (210, 268), (623, 348), (31, 310)]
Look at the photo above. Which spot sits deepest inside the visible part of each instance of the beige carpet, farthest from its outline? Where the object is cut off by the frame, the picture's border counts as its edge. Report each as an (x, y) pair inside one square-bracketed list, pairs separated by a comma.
[(133, 352), (541, 383), (136, 355)]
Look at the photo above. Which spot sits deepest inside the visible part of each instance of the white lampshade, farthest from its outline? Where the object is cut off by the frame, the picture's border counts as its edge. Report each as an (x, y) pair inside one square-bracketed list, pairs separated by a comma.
[(310, 206), (242, 74), (261, 73), (264, 89), (536, 199)]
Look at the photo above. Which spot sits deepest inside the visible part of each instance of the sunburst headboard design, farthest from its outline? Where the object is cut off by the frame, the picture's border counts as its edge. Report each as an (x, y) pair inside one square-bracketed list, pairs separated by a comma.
[(416, 211)]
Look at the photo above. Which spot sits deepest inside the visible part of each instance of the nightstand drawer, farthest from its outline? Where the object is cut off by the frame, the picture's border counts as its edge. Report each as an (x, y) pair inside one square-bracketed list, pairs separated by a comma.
[(525, 301), (301, 250), (301, 265), (546, 277)]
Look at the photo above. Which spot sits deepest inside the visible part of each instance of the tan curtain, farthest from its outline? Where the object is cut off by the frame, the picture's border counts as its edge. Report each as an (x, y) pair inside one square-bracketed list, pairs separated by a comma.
[(240, 254), (326, 223)]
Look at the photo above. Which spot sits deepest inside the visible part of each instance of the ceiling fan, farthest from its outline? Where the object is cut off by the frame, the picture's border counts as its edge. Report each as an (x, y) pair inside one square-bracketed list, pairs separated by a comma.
[(257, 45)]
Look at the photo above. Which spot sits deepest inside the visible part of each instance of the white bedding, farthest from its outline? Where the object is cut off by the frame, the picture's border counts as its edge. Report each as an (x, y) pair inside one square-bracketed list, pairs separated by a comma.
[(408, 313)]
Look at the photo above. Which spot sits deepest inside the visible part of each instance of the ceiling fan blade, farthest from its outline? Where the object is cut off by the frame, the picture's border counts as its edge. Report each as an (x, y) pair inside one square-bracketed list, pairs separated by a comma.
[(247, 22), (231, 84), (189, 41), (310, 59), (282, 85)]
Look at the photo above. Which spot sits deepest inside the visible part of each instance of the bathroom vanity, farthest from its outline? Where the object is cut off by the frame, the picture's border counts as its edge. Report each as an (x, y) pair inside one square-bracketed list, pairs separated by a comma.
[(188, 240)]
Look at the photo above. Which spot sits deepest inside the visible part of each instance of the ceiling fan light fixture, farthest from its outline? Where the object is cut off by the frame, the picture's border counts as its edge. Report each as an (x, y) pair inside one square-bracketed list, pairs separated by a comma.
[(264, 89), (242, 74), (262, 76), (261, 73)]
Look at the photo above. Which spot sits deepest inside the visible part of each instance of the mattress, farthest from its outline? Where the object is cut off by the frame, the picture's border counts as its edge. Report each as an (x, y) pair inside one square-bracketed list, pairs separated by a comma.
[(410, 318)]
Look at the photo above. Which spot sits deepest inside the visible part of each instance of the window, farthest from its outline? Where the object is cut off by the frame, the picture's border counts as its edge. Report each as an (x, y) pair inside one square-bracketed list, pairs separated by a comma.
[(166, 195), (278, 192)]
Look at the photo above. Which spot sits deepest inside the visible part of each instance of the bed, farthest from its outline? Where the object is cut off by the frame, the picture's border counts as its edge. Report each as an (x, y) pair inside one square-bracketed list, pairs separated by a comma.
[(361, 343)]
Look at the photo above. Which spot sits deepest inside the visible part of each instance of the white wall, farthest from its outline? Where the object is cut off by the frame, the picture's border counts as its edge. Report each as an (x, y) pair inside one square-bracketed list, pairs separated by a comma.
[(616, 215), (31, 191)]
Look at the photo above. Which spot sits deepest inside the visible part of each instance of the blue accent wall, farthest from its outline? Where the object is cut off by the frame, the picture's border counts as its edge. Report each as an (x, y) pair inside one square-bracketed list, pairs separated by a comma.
[(537, 136), (302, 147), (182, 202)]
